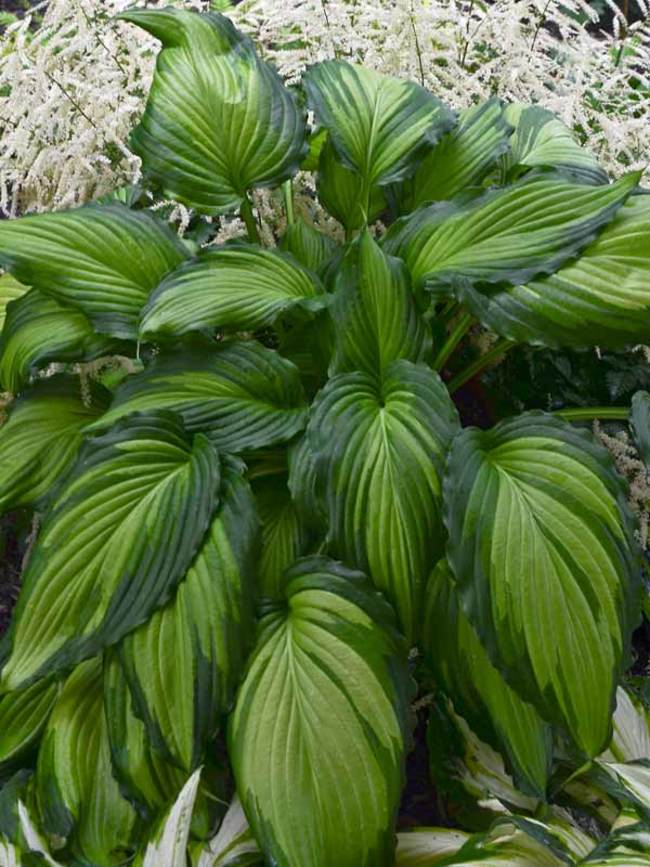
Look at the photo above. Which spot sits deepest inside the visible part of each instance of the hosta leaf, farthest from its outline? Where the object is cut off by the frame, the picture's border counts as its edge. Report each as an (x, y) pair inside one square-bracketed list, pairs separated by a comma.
[(121, 533), (184, 664), (168, 848), (318, 737), (541, 139), (632, 783), (379, 448), (428, 846), (23, 715), (10, 290), (236, 286), (218, 121), (78, 796), (600, 299), (379, 125), (462, 158), (104, 260), (479, 692), (374, 312), (39, 330), (234, 845), (41, 437), (631, 737), (34, 841), (541, 545), (341, 192), (641, 423), (506, 235), (285, 535), (507, 845), (241, 395), (306, 244)]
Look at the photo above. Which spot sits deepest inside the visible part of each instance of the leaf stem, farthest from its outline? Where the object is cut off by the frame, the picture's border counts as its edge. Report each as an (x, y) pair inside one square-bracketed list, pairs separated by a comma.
[(287, 191), (500, 348), (459, 331), (251, 226), (589, 413)]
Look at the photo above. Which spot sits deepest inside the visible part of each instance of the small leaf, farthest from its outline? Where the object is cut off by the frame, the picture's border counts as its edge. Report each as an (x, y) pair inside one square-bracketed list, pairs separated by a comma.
[(319, 734), (428, 846), (341, 192), (168, 847), (121, 533), (10, 290), (218, 120), (631, 737), (23, 716), (641, 423), (307, 245), (234, 845)]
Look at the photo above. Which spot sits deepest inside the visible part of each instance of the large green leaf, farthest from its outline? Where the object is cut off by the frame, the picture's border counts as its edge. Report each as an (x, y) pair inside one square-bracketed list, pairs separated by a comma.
[(341, 192), (462, 158), (641, 423), (602, 298), (241, 395), (104, 260), (379, 448), (23, 716), (121, 533), (218, 121), (168, 848), (235, 286), (374, 312), (234, 845), (77, 793), (379, 126), (320, 730), (10, 290), (479, 692), (184, 664), (541, 139), (41, 437), (541, 545), (506, 235), (39, 330)]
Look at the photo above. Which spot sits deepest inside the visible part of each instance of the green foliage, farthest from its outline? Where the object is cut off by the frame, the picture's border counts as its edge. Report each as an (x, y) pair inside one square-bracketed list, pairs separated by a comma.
[(247, 528)]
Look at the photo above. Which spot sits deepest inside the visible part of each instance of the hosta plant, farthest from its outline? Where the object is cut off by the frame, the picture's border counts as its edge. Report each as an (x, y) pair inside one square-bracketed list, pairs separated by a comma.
[(261, 498)]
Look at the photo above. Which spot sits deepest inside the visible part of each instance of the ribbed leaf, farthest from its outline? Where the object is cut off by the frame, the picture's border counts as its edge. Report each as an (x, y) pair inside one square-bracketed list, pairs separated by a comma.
[(121, 534), (78, 796), (169, 845), (507, 845), (541, 545), (241, 395), (541, 139), (462, 158), (428, 846), (104, 260), (23, 716), (603, 298), (41, 437), (630, 784), (184, 664), (234, 845), (237, 287), (478, 691), (306, 244), (10, 290), (341, 192), (218, 121), (380, 450), (374, 312), (631, 737), (318, 737), (640, 418), (39, 330), (379, 125), (506, 235)]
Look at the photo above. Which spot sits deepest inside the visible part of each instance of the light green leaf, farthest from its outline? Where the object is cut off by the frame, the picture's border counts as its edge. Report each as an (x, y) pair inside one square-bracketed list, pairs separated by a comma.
[(23, 716), (602, 298), (121, 533), (78, 796), (41, 437), (218, 121), (379, 448), (341, 192), (183, 666), (379, 126), (479, 692), (10, 290), (168, 848), (640, 418), (103, 260), (540, 139), (428, 846), (462, 157), (236, 286), (631, 737), (374, 311), (541, 544), (306, 244), (319, 734), (234, 845), (506, 235), (39, 330), (241, 395)]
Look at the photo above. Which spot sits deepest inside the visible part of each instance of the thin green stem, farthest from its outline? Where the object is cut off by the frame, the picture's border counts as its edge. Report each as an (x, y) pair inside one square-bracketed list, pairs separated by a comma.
[(589, 413), (499, 349), (287, 191), (460, 329), (248, 217)]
